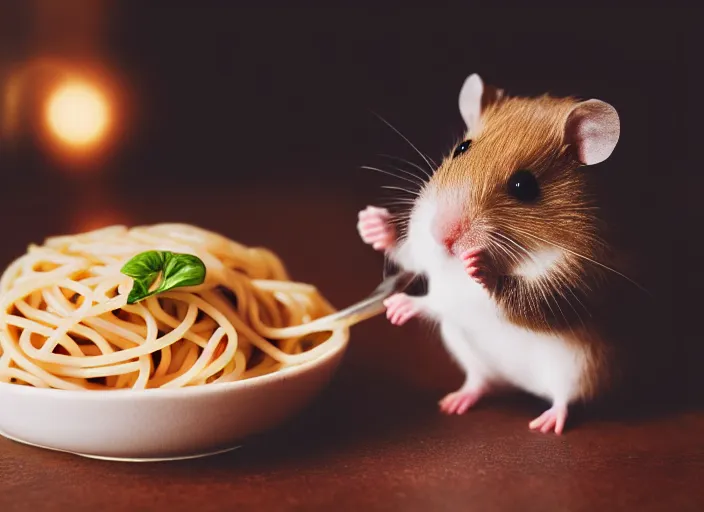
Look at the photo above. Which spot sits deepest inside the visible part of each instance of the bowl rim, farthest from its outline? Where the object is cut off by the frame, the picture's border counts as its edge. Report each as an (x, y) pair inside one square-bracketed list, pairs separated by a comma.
[(185, 392)]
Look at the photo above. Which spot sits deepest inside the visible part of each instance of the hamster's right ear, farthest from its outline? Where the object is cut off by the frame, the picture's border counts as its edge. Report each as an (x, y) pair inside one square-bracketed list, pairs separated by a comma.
[(474, 98), (593, 128)]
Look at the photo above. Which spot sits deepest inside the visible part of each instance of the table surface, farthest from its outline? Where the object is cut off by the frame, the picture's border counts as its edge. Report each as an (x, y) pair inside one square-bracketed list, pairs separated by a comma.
[(374, 440)]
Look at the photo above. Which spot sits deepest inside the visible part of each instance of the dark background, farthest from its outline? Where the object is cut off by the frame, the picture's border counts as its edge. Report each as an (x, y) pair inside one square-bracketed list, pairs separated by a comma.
[(255, 123)]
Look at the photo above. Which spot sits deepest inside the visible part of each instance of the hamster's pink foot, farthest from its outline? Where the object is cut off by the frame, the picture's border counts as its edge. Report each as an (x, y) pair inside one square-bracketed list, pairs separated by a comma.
[(460, 401), (476, 264), (400, 308), (375, 228), (552, 419)]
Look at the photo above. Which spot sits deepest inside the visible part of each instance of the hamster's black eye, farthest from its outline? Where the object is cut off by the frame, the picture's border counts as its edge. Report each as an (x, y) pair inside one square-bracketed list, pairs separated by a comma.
[(462, 148), (523, 186)]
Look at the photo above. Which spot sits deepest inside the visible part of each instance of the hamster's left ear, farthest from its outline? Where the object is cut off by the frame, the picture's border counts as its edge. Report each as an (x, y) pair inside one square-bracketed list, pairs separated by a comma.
[(592, 128), (475, 96)]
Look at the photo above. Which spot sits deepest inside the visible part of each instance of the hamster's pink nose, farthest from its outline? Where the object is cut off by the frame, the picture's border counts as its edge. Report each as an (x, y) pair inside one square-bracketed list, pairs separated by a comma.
[(449, 242), (447, 234)]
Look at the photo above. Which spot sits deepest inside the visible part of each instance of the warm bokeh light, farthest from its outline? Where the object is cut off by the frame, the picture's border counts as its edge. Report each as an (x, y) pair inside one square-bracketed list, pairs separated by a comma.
[(91, 217), (78, 114)]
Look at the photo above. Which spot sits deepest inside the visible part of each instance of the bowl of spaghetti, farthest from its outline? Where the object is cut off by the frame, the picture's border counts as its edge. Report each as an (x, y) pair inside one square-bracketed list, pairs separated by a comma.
[(157, 342)]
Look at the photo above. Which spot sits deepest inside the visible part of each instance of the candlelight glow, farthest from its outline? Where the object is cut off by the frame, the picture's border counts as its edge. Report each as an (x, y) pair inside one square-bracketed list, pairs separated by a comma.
[(78, 114)]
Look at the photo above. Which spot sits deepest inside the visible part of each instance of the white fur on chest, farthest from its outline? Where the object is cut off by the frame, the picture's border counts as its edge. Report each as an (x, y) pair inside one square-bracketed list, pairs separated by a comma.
[(540, 363)]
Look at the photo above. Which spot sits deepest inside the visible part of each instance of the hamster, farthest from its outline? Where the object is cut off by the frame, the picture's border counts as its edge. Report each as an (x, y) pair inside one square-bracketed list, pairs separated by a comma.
[(507, 234)]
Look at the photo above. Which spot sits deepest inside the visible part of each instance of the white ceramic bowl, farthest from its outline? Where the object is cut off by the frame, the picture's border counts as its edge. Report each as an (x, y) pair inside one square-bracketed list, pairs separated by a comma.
[(162, 424)]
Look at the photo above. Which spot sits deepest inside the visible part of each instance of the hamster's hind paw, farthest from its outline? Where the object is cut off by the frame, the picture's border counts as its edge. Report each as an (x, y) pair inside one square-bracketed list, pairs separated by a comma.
[(375, 228), (460, 401), (401, 307), (553, 419)]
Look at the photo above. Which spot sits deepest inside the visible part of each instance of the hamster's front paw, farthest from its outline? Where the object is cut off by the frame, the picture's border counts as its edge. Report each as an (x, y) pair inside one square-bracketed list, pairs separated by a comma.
[(478, 266), (400, 308), (375, 228)]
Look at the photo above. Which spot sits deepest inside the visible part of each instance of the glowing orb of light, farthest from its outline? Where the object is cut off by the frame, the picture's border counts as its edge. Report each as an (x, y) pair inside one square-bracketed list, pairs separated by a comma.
[(78, 114)]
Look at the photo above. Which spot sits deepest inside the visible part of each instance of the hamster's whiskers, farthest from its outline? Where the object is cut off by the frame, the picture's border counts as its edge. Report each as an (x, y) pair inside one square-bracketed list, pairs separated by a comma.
[(391, 187), (402, 204), (515, 258), (557, 277), (425, 158), (566, 285), (582, 256), (408, 162), (416, 181)]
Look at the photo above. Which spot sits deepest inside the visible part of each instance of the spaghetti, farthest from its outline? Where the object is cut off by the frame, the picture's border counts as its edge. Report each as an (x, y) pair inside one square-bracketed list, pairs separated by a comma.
[(65, 320)]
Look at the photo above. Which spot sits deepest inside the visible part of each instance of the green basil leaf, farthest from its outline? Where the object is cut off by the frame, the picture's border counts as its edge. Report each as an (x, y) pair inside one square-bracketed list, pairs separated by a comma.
[(183, 270), (144, 269), (172, 269)]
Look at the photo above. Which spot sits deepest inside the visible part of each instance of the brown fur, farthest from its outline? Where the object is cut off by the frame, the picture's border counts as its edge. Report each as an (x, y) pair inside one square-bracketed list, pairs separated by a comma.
[(529, 133)]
